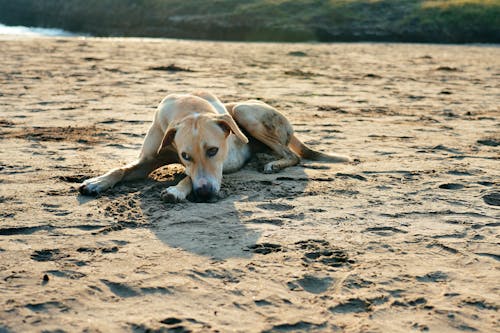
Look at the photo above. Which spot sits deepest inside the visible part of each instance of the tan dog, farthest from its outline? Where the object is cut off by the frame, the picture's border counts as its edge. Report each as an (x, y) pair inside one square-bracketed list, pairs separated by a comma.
[(204, 135)]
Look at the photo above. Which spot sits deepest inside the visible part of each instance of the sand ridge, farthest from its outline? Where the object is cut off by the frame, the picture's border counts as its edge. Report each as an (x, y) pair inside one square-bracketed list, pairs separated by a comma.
[(405, 239)]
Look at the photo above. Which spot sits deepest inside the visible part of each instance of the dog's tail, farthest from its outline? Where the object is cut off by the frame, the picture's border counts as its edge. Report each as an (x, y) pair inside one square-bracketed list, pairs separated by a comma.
[(305, 152)]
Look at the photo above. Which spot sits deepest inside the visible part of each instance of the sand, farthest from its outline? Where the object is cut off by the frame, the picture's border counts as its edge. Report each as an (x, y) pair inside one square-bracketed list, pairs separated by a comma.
[(404, 239)]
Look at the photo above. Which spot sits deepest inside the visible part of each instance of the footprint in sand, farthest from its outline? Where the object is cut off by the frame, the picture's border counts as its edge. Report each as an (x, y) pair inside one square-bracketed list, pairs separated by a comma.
[(437, 276), (276, 222), (312, 284), (451, 186), (352, 305), (46, 306), (385, 230), (301, 326), (48, 255), (320, 251), (489, 142), (125, 291), (492, 199), (265, 248), (67, 274)]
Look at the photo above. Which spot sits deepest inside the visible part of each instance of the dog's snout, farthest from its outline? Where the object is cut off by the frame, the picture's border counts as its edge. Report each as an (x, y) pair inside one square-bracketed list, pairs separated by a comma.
[(206, 193)]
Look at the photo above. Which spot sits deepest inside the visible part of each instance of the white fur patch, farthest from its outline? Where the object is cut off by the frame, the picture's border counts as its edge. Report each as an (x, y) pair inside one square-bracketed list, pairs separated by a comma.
[(238, 154)]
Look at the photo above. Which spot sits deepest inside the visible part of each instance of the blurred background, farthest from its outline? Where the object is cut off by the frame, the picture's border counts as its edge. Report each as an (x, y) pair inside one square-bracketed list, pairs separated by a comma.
[(440, 21)]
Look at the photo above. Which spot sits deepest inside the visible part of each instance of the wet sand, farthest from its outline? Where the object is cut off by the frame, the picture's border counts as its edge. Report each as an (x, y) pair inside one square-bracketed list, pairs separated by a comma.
[(405, 239)]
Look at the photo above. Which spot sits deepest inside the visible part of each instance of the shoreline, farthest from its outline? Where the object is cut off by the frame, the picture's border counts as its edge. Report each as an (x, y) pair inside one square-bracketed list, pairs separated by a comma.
[(165, 39)]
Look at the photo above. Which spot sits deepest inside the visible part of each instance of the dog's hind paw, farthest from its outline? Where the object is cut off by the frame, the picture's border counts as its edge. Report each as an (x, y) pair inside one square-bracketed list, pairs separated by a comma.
[(271, 167)]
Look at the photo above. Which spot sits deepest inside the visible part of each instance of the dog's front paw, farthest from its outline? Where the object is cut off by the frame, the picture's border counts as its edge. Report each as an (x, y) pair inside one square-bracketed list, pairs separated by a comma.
[(172, 195), (93, 186)]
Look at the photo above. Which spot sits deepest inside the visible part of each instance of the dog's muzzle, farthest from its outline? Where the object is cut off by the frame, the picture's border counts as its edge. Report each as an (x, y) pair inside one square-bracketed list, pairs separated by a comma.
[(205, 193)]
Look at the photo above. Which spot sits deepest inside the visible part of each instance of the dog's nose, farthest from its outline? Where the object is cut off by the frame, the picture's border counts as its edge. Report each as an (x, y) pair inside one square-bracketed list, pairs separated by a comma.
[(205, 193)]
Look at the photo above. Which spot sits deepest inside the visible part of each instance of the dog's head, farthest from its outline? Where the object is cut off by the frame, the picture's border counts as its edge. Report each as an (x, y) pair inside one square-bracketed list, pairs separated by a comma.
[(201, 140)]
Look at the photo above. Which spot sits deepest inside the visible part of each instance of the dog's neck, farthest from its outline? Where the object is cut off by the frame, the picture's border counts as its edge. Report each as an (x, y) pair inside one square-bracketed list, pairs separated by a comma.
[(238, 154)]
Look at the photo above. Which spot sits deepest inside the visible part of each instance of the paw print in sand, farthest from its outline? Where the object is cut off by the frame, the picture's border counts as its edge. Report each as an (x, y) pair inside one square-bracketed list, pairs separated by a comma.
[(320, 251)]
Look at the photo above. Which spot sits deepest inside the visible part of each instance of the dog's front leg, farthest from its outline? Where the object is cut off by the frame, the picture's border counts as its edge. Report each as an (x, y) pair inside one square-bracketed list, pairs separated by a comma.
[(178, 192), (136, 170)]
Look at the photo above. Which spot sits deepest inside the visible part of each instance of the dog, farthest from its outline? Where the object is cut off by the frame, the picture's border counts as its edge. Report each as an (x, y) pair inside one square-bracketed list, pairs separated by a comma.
[(209, 138)]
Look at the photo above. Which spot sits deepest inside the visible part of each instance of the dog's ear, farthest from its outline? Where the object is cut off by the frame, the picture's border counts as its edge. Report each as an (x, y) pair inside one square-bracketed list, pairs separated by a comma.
[(228, 125), (168, 138)]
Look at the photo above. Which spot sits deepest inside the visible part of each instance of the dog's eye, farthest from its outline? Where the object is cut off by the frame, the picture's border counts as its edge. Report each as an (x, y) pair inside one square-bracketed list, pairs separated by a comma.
[(186, 156), (211, 152)]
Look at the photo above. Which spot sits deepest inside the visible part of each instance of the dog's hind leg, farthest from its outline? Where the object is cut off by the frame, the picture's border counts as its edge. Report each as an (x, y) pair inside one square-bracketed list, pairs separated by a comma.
[(270, 127), (149, 160)]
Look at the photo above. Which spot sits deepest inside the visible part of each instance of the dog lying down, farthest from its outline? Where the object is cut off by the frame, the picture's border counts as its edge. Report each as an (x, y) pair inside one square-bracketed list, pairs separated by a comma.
[(209, 138)]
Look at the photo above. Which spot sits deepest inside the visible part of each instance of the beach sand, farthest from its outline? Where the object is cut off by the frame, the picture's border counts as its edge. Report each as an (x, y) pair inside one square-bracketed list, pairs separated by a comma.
[(404, 239)]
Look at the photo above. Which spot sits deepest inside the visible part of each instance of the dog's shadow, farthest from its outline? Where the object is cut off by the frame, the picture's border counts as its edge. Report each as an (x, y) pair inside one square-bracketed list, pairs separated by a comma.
[(251, 202)]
